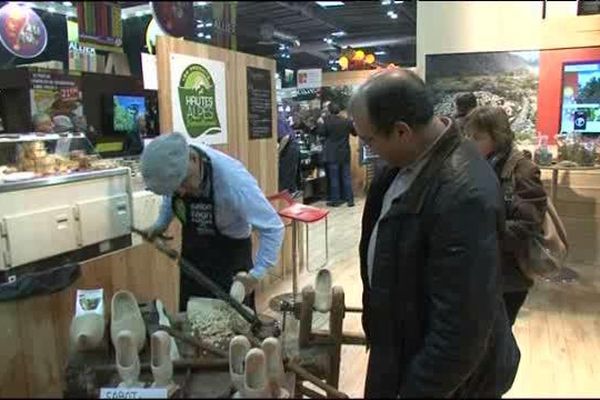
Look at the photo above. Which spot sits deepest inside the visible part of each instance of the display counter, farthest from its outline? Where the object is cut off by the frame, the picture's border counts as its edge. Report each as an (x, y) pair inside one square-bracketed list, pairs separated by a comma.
[(54, 211)]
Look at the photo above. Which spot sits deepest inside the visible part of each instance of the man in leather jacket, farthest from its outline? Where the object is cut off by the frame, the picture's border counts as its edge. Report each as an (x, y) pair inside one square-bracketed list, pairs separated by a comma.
[(432, 302)]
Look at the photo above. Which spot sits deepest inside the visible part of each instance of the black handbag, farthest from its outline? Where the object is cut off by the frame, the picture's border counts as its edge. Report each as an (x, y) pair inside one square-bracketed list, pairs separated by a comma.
[(40, 282)]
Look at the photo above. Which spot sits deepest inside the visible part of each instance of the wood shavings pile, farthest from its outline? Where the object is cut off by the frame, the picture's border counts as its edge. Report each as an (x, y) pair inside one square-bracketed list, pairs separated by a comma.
[(214, 321)]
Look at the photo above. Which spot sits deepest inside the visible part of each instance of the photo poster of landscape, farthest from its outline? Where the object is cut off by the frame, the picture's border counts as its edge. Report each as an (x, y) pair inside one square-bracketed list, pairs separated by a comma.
[(508, 79)]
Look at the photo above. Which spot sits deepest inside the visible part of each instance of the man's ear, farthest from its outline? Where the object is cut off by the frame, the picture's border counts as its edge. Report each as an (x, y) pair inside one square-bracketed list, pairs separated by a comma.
[(401, 128)]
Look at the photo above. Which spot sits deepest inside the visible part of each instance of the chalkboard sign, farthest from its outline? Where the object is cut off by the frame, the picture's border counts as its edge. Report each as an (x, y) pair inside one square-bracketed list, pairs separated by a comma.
[(260, 117)]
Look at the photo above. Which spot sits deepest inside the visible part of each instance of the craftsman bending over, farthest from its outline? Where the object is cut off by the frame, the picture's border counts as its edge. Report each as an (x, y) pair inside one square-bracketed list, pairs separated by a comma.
[(218, 203)]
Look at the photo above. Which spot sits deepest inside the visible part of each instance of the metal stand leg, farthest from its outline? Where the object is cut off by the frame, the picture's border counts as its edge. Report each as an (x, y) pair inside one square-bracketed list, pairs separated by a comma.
[(294, 261), (306, 260), (326, 240), (326, 249), (290, 298)]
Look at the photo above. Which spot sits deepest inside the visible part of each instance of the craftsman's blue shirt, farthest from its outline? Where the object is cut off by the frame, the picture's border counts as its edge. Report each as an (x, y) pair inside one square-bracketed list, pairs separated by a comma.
[(240, 206)]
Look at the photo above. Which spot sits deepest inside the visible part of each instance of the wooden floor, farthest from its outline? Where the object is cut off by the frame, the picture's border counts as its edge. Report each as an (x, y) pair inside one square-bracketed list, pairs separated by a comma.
[(558, 329)]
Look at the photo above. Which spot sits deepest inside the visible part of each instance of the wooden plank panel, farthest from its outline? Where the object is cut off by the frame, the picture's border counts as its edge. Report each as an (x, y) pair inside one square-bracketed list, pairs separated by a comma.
[(259, 156), (37, 329), (13, 369), (583, 31)]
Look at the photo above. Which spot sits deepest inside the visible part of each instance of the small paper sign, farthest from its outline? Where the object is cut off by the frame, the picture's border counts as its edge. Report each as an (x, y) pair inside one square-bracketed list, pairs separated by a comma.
[(89, 302), (133, 393)]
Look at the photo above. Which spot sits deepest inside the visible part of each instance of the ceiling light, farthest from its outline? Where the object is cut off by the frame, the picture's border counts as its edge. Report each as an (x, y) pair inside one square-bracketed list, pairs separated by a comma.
[(209, 25), (297, 42), (326, 4), (200, 26), (339, 33), (398, 2), (386, 2), (394, 16), (380, 53), (200, 35), (390, 13), (200, 3), (67, 4), (208, 37)]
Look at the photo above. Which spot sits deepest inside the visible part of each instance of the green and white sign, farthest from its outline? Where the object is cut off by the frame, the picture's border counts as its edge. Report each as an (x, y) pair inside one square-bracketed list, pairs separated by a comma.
[(198, 99)]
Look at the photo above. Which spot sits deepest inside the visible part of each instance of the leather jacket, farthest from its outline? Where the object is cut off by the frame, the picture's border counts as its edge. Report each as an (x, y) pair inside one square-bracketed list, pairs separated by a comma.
[(433, 312)]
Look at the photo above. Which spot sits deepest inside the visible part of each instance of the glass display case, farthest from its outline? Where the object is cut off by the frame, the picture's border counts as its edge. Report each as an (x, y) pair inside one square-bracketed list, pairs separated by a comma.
[(24, 157), (55, 190)]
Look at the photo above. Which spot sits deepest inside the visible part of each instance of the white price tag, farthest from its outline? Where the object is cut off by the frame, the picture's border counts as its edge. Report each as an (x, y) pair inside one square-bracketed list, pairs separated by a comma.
[(133, 393)]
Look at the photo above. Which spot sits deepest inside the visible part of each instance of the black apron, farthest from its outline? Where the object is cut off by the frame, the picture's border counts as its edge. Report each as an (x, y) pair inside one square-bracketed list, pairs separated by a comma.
[(219, 257)]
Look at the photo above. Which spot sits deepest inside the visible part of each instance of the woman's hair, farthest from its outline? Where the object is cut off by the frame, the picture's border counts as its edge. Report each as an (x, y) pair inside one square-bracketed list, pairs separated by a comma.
[(494, 122)]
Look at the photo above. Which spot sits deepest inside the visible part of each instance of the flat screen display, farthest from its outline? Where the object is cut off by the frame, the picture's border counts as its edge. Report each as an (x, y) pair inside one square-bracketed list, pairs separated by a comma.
[(581, 98), (126, 112)]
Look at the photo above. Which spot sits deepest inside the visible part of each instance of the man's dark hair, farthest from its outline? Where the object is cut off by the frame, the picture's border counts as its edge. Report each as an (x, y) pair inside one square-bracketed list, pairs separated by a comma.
[(333, 108), (394, 96), (464, 103)]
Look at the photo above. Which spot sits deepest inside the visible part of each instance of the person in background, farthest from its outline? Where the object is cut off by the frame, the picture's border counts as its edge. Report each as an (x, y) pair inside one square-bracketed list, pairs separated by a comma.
[(433, 313), (464, 103), (134, 142), (289, 156), (62, 124), (218, 203), (524, 194), (336, 150), (42, 123)]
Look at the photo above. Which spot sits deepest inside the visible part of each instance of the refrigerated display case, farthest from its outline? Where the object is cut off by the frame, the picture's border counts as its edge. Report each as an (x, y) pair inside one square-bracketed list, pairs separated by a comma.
[(59, 202)]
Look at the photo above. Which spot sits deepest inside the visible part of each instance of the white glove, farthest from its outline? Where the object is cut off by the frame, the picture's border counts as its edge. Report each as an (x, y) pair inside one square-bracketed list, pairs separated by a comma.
[(243, 285)]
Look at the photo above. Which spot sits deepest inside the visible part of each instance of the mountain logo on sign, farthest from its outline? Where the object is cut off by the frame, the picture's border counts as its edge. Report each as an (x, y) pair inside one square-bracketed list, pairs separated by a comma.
[(198, 102)]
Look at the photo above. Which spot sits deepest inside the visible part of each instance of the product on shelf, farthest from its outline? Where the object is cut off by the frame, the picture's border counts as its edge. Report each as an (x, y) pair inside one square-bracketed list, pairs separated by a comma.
[(542, 155), (572, 147)]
